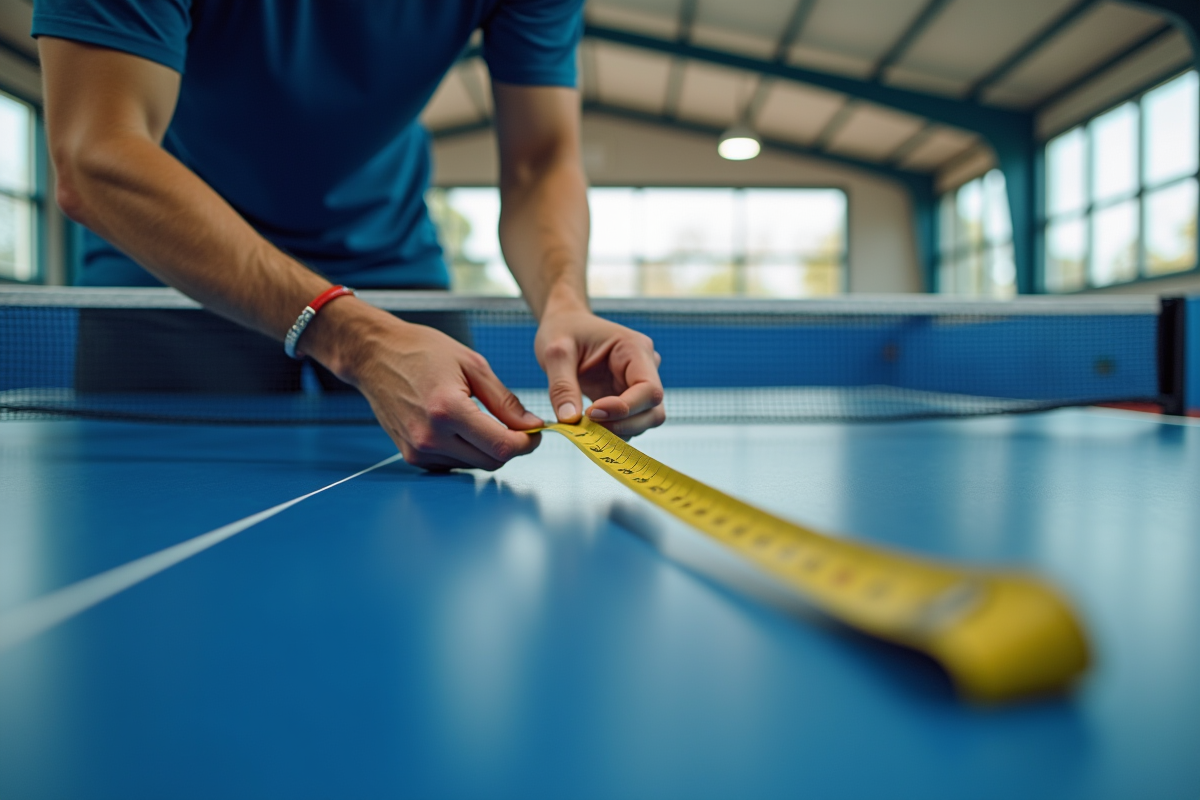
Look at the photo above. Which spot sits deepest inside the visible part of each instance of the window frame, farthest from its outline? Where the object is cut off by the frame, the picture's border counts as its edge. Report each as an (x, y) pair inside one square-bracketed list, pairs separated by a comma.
[(960, 247), (1090, 206), (740, 258), (36, 196)]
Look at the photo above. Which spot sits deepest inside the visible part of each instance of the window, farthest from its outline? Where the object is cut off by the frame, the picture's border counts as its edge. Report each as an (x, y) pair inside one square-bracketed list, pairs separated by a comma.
[(670, 242), (975, 253), (18, 201), (1121, 191)]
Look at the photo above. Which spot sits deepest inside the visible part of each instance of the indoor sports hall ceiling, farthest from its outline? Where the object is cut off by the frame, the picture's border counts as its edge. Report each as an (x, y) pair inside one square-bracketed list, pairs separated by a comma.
[(699, 64), (704, 64)]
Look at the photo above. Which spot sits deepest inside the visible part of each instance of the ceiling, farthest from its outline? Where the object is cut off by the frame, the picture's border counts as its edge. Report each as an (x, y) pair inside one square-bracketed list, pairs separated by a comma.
[(1014, 56), (1011, 56)]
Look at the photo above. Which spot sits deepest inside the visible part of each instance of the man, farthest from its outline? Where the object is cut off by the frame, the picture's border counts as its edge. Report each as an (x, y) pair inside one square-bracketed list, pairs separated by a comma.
[(253, 153)]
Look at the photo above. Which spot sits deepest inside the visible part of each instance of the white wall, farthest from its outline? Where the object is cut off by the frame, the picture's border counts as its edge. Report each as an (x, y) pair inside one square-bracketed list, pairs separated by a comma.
[(622, 153)]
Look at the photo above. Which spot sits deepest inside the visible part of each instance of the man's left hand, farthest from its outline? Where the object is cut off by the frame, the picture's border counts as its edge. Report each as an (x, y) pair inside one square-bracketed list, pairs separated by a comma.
[(613, 365)]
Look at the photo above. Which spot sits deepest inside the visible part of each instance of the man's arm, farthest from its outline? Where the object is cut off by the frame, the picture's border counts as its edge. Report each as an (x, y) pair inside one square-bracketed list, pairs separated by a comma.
[(544, 234), (106, 114)]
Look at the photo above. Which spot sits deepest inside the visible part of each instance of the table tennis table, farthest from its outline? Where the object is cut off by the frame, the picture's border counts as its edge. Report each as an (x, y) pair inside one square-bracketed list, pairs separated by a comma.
[(507, 635)]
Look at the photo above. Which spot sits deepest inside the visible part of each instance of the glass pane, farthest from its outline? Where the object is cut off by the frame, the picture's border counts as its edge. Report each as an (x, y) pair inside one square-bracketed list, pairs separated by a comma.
[(1066, 248), (468, 221), (1114, 244), (613, 217), (16, 239), (781, 223), (947, 271), (480, 208), (687, 280), (970, 214), (1172, 129), (815, 278), (946, 222), (688, 225), (1001, 274), (1115, 153), (611, 279), (1171, 228), (16, 135), (997, 223), (969, 278), (1064, 173)]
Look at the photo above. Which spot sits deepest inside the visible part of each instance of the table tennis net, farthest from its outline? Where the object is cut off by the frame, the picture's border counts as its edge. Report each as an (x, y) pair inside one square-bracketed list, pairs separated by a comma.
[(154, 355)]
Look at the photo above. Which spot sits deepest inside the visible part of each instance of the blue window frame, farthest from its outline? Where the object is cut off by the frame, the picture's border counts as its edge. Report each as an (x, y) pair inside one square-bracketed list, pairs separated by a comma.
[(1121, 192), (20, 200)]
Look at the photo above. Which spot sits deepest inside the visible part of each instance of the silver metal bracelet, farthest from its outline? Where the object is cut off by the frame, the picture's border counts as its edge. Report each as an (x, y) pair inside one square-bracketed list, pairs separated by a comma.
[(293, 334)]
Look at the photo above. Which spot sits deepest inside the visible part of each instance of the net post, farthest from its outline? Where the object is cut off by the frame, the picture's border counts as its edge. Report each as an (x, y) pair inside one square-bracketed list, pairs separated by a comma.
[(1172, 356)]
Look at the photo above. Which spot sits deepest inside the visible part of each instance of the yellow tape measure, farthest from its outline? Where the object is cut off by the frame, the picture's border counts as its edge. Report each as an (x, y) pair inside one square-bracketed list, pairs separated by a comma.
[(1000, 635)]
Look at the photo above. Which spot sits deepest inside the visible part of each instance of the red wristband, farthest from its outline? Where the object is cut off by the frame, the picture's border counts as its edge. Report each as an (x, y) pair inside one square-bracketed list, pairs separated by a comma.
[(306, 316)]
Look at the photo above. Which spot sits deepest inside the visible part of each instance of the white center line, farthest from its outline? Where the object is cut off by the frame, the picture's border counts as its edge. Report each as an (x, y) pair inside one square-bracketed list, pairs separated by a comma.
[(58, 606)]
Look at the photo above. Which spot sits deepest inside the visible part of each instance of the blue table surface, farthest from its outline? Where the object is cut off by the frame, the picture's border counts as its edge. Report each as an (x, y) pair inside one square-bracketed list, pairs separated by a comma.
[(475, 635)]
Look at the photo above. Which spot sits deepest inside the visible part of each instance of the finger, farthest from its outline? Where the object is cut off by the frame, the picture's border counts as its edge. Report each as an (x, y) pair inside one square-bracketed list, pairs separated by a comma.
[(457, 453), (449, 451), (644, 393), (432, 462), (449, 415), (560, 360), (490, 439), (638, 423), (497, 398)]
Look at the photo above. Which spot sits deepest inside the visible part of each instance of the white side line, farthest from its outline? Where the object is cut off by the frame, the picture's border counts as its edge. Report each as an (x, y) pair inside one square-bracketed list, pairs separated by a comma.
[(58, 606)]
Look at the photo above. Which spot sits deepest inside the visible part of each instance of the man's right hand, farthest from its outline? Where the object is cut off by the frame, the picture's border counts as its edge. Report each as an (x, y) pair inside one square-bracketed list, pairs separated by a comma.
[(420, 383)]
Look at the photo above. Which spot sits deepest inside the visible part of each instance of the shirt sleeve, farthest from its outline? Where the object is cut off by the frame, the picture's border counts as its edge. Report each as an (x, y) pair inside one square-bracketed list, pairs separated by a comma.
[(152, 29), (533, 42)]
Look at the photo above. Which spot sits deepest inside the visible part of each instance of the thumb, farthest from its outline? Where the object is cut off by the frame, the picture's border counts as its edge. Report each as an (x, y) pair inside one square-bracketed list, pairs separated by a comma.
[(560, 360)]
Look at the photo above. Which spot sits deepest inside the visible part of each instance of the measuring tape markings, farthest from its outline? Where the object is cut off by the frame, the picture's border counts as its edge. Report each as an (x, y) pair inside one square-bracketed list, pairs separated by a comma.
[(1000, 635)]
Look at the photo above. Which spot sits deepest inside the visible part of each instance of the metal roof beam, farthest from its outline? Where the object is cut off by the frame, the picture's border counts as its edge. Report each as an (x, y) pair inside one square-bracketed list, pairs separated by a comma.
[(949, 111), (923, 20), (1056, 27), (834, 124), (792, 31), (1183, 14), (794, 28), (1115, 59), (905, 148), (906, 177), (683, 35)]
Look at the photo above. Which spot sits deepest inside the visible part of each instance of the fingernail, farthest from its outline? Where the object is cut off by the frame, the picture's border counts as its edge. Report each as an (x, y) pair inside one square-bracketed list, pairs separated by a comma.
[(598, 413), (533, 420), (566, 411)]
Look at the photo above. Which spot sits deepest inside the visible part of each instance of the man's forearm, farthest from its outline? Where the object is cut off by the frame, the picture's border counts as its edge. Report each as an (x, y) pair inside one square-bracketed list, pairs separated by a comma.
[(137, 196), (544, 233)]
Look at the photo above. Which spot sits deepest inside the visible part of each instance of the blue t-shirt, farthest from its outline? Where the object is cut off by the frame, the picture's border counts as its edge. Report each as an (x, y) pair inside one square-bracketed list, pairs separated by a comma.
[(302, 114)]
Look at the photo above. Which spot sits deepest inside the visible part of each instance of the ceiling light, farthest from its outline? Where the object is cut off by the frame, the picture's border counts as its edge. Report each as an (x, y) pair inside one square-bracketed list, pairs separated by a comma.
[(739, 143)]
